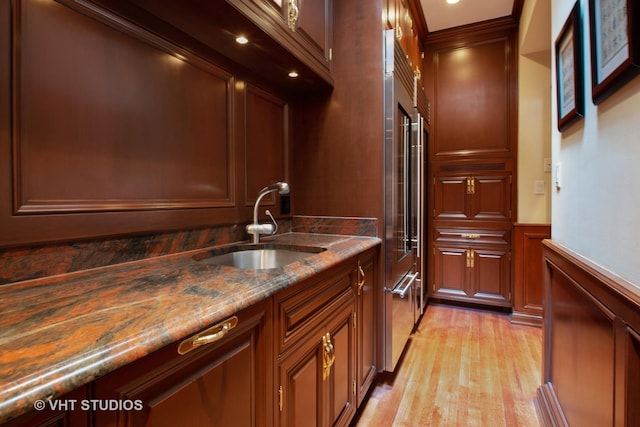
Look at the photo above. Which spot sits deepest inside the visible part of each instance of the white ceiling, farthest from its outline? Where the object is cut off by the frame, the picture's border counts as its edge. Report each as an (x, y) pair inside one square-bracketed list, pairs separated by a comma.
[(440, 15)]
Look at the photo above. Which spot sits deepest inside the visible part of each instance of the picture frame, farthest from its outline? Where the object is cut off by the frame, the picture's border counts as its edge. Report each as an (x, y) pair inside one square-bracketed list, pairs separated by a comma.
[(615, 45), (569, 70)]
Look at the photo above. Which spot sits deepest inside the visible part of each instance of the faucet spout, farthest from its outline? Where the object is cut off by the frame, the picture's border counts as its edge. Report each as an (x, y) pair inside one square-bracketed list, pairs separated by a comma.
[(256, 229)]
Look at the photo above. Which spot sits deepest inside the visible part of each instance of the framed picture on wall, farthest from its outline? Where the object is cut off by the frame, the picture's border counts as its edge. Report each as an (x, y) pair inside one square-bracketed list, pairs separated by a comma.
[(615, 45), (569, 71)]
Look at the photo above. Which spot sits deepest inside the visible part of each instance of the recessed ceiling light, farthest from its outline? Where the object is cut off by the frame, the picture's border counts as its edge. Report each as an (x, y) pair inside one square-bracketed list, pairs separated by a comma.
[(242, 40), (452, 1), (293, 74)]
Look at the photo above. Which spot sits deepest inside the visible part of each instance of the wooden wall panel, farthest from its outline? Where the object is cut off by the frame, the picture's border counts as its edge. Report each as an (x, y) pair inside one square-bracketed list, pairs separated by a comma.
[(107, 129), (528, 281), (582, 353), (105, 121), (591, 362), (267, 143)]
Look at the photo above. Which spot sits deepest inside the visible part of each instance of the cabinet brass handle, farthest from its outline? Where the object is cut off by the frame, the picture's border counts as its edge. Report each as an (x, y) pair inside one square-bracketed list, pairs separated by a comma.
[(471, 185), (214, 333), (471, 255), (470, 236), (293, 15), (361, 280), (328, 356)]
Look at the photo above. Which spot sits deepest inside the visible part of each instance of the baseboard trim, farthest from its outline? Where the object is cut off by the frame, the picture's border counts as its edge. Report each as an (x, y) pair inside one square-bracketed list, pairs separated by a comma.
[(519, 318), (548, 407)]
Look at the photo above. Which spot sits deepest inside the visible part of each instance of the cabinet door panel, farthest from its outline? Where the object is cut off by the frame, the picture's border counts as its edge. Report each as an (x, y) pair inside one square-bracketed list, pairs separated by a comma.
[(301, 380), (341, 381), (490, 275), (314, 25), (450, 197), (366, 343), (450, 275), (209, 398), (492, 198)]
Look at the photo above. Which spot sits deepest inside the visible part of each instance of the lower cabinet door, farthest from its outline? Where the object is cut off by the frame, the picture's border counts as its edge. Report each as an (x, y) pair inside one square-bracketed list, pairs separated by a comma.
[(365, 288), (224, 383), (317, 378), (473, 274), (491, 276), (341, 374)]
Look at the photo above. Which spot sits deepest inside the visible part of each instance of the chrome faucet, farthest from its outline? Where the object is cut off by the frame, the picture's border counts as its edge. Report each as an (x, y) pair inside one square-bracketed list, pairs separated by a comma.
[(258, 229)]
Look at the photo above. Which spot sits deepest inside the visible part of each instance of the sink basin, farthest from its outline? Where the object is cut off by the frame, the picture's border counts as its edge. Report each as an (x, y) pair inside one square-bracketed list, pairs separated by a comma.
[(258, 257)]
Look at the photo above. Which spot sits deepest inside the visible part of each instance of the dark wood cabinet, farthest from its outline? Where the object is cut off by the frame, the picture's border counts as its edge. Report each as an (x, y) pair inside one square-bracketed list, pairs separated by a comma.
[(474, 196), (223, 383), (303, 27), (365, 289), (317, 347), (472, 155), (315, 379), (305, 356), (472, 265), (471, 229)]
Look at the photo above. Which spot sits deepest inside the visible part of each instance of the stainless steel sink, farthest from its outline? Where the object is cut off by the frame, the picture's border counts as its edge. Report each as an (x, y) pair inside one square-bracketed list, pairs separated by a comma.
[(258, 257)]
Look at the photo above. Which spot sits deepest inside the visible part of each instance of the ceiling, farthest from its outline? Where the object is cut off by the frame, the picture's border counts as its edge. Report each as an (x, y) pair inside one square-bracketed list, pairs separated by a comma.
[(440, 15)]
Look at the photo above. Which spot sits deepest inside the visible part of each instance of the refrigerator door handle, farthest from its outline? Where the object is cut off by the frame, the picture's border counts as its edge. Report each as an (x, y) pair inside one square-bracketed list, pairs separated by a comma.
[(402, 287)]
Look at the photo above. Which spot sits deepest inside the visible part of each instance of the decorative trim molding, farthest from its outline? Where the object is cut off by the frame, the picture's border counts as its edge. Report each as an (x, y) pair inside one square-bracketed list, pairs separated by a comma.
[(548, 408)]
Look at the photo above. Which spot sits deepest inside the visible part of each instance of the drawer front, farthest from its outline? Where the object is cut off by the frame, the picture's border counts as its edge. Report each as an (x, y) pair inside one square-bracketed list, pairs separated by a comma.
[(471, 236), (300, 308)]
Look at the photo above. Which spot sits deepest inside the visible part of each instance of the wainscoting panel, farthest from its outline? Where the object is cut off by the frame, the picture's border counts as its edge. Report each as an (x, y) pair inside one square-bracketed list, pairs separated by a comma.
[(591, 348), (528, 278)]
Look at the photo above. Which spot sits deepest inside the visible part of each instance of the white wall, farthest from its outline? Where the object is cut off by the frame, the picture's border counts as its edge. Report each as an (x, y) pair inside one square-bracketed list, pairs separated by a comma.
[(596, 210), (534, 112)]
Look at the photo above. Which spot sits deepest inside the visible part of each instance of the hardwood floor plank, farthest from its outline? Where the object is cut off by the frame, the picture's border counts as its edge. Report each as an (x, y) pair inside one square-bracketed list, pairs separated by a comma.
[(464, 367)]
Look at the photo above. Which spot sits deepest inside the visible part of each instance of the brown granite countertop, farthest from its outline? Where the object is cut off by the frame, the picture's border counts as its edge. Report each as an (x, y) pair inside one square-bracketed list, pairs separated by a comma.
[(61, 332)]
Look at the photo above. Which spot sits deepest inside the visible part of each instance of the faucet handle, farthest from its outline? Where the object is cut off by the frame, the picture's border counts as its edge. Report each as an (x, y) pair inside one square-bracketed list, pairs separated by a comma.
[(275, 230)]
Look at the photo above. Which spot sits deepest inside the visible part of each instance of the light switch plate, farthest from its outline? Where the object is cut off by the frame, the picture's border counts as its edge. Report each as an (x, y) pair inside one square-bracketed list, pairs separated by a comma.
[(539, 187), (547, 164)]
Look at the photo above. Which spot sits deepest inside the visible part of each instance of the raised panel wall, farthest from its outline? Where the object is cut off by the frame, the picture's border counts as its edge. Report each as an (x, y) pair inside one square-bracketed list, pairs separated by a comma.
[(107, 129), (105, 121)]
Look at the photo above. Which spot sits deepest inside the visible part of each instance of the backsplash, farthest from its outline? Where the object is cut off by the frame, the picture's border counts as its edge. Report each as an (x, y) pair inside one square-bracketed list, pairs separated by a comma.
[(19, 264), (350, 226)]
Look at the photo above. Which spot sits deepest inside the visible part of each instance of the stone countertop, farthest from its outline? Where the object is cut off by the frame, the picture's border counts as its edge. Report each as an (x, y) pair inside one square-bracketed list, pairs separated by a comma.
[(61, 332)]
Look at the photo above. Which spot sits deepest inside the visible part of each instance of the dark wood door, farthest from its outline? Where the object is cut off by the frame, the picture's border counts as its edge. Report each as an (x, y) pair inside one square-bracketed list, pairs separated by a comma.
[(317, 378), (473, 197), (366, 322), (473, 274), (341, 397), (490, 275)]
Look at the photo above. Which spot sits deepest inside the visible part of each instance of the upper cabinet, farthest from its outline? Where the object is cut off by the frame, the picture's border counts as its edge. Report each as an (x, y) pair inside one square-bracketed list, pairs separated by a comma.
[(401, 18), (310, 26), (282, 35), (474, 88)]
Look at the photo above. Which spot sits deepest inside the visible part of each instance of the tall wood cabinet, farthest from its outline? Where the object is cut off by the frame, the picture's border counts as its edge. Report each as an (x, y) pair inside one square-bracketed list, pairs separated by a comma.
[(471, 78)]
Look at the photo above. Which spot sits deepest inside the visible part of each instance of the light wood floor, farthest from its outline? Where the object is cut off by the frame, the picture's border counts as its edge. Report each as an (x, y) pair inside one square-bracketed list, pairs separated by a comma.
[(464, 367)]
